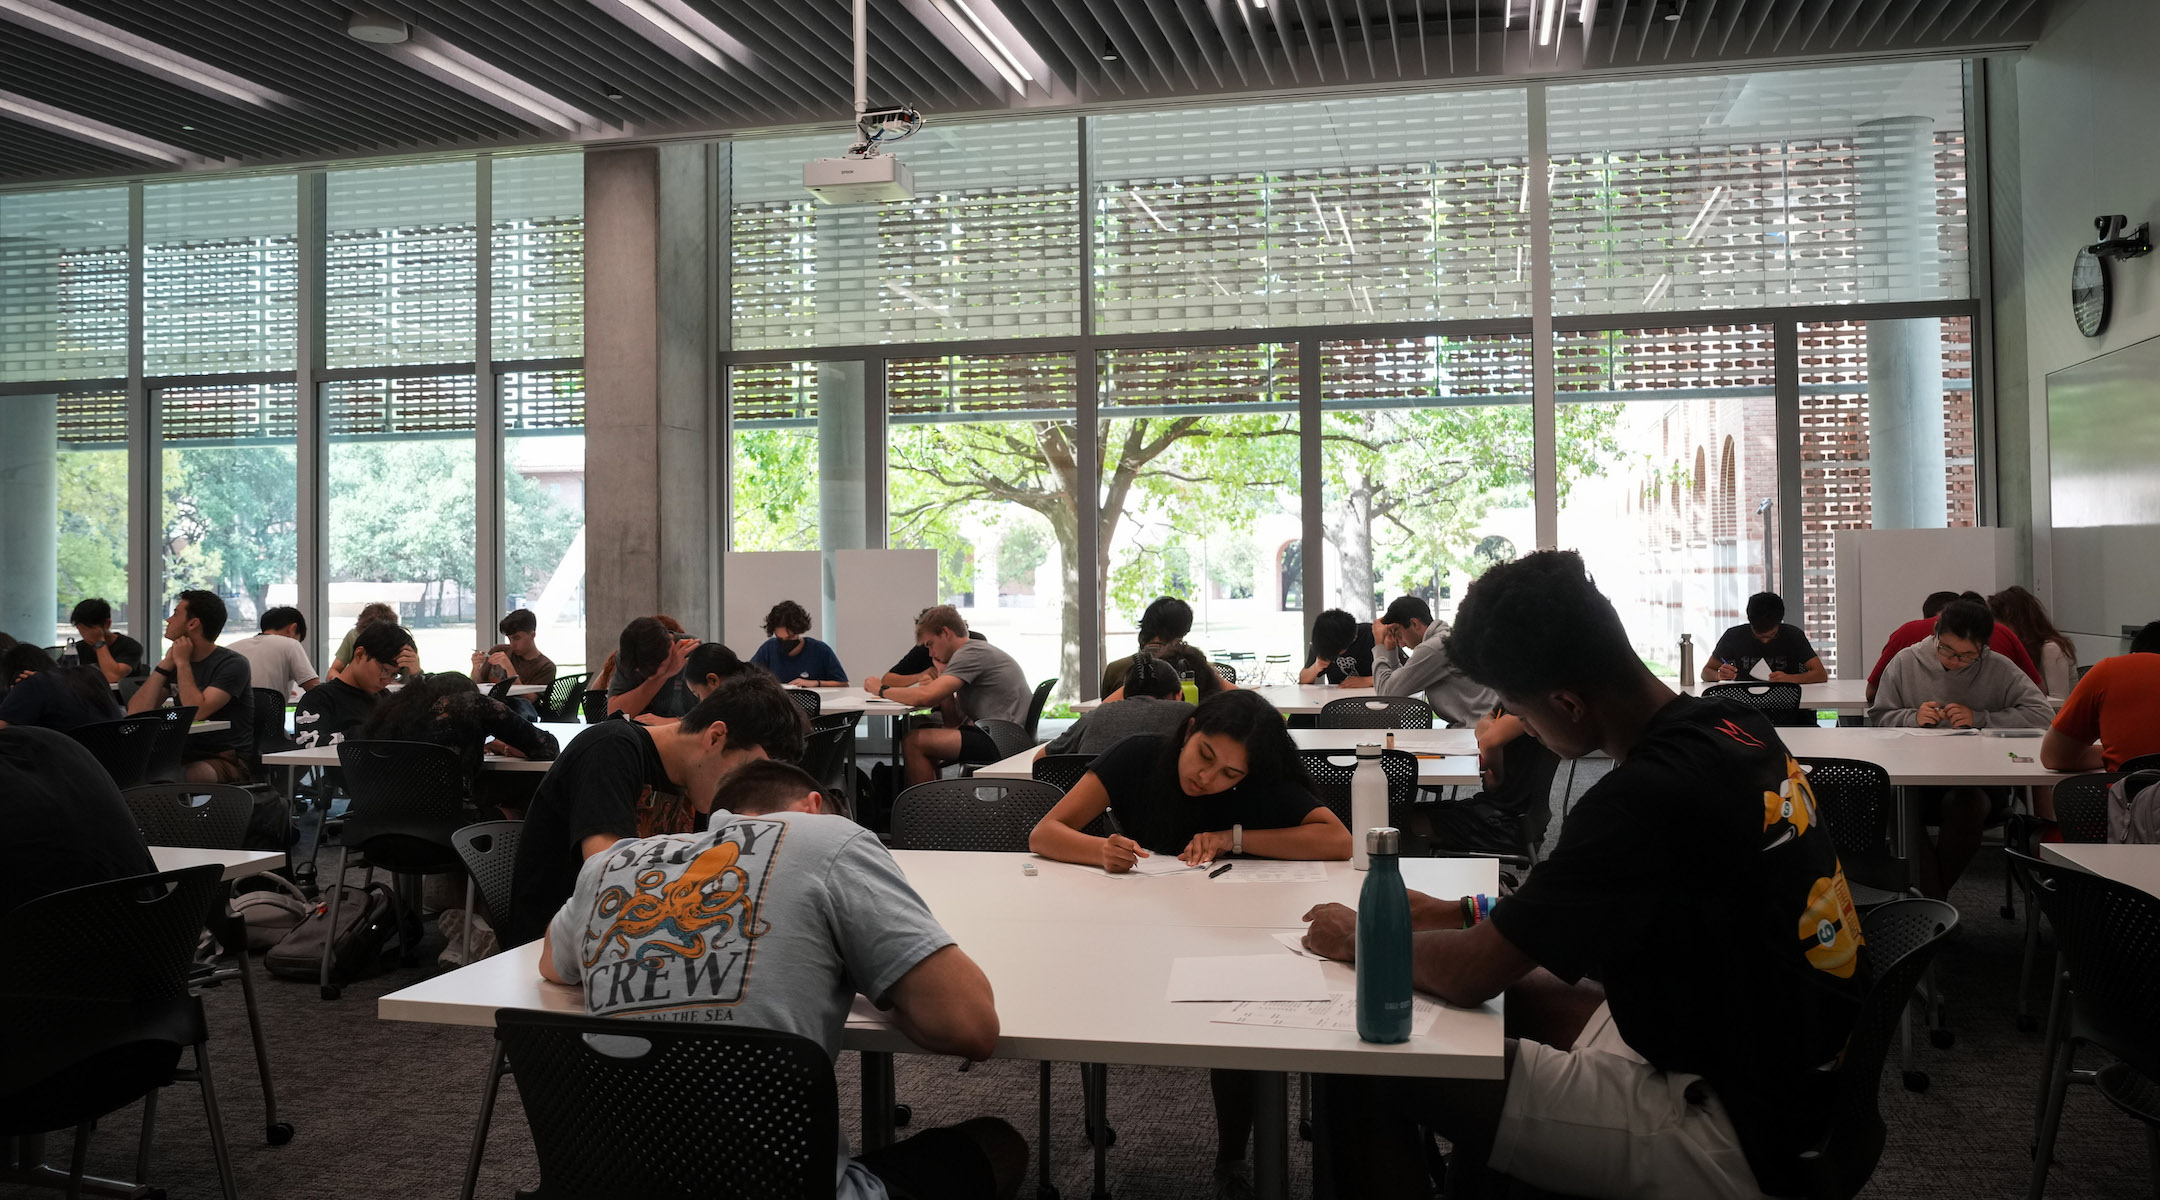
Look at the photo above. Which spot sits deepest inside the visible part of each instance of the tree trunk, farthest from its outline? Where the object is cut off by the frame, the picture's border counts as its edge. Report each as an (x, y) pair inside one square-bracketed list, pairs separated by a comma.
[(1349, 529)]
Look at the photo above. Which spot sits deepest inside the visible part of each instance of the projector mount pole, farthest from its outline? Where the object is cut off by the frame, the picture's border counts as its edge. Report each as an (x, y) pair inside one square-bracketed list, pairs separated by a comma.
[(862, 71)]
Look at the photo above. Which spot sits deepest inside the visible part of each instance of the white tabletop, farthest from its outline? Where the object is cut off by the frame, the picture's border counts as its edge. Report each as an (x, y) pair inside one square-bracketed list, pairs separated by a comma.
[(1079, 962), (1919, 757), (237, 863), (327, 756), (2138, 866), (525, 689), (833, 700), (208, 727)]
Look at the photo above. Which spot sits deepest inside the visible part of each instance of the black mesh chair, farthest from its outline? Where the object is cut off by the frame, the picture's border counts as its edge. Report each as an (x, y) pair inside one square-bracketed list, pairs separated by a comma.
[(1009, 738), (1331, 772), (593, 703), (1376, 712), (408, 798), (211, 816), (489, 851), (2143, 762), (1062, 771), (560, 702), (122, 747), (270, 735), (763, 1102), (807, 700), (1780, 702), (825, 760), (2136, 1096), (1035, 707), (168, 757), (76, 1044), (2107, 987), (2081, 816), (1228, 672), (1858, 803)]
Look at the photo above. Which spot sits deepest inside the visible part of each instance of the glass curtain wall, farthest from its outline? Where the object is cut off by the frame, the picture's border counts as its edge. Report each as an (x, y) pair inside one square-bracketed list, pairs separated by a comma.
[(230, 518), (543, 508), (221, 261), (63, 510), (773, 456)]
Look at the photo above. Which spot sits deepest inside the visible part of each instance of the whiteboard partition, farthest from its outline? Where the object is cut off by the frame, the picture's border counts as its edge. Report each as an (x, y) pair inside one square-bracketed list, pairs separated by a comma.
[(877, 594), (1883, 575), (757, 581)]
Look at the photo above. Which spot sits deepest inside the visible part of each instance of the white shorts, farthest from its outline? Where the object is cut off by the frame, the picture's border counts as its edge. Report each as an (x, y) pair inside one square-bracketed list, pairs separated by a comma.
[(1599, 1121)]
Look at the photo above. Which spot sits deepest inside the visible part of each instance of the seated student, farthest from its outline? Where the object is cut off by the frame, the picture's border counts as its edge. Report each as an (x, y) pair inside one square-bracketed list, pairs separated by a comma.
[(1229, 782), (218, 684), (116, 655), (621, 779), (1768, 640), (709, 666), (276, 659), (448, 709), (792, 655), (1191, 667), (369, 616), (64, 824), (1341, 652), (53, 696), (1153, 702), (915, 666), (1953, 681), (336, 708), (515, 657), (1166, 619), (1517, 775), (832, 914), (983, 681), (1407, 626), (2113, 714), (1701, 1067), (2027, 619), (646, 681), (2002, 641)]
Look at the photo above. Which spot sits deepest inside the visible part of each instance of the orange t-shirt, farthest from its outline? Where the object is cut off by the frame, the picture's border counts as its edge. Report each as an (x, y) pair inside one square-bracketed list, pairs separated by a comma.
[(2117, 703)]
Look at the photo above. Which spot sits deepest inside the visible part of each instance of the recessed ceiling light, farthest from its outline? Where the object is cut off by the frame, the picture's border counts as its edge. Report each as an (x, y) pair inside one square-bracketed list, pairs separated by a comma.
[(1109, 51), (376, 29), (189, 128), (613, 92), (117, 44)]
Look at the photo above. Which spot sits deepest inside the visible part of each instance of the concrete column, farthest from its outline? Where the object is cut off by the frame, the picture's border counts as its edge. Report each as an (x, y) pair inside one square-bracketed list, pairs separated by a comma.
[(1906, 478), (29, 528), (843, 518), (650, 544)]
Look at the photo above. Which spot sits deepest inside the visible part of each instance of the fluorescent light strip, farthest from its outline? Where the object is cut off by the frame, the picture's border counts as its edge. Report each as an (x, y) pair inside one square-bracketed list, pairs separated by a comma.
[(108, 41), (1159, 224), (1518, 264), (81, 128), (1345, 223), (986, 43), (476, 78), (670, 27), (969, 9), (1552, 16), (1327, 238), (1708, 203)]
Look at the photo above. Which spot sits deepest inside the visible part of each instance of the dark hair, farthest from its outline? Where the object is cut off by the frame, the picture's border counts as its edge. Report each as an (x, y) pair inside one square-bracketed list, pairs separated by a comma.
[(92, 611), (940, 617), (280, 617), (1151, 676), (1189, 661), (712, 658), (2146, 640), (1538, 623), (787, 615), (1247, 717), (20, 657), (517, 620), (1332, 633), (87, 683), (1406, 609), (2025, 616), (206, 607), (1975, 597), (1765, 610), (1932, 607), (643, 646), (1968, 619), (405, 712), (7, 643), (375, 611), (383, 641), (762, 786), (1166, 619), (757, 712)]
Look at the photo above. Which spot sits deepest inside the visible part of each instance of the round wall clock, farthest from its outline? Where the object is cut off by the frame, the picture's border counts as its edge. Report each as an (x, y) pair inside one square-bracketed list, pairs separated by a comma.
[(2089, 292)]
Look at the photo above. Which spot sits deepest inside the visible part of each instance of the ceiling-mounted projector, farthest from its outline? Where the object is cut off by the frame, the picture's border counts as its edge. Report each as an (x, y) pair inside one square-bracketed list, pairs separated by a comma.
[(867, 179)]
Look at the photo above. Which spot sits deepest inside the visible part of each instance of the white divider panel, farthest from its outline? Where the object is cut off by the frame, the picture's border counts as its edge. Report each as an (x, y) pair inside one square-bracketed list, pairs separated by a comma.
[(877, 594), (1884, 574), (757, 581)]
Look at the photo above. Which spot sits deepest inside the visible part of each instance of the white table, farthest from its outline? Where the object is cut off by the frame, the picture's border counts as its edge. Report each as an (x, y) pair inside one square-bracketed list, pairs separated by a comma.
[(327, 756), (237, 863), (1921, 758), (832, 700), (2138, 866), (208, 727), (1446, 757), (1079, 961)]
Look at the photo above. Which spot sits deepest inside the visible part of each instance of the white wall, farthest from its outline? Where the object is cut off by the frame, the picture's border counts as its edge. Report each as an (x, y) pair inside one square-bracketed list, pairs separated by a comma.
[(2088, 145)]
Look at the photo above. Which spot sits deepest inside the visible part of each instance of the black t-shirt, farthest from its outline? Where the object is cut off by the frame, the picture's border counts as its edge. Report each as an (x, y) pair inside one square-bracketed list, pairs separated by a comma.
[(610, 780), (1153, 809), (229, 673), (1354, 661), (1788, 653), (916, 661), (330, 712), (61, 698), (124, 650), (62, 822), (1697, 882)]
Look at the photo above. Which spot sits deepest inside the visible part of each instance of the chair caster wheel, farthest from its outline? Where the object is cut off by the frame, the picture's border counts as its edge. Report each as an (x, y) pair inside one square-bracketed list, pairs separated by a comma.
[(2008, 913), (330, 992), (1108, 1135), (1304, 1131), (1941, 1039), (279, 1133), (901, 1115), (2028, 1023), (1916, 1081)]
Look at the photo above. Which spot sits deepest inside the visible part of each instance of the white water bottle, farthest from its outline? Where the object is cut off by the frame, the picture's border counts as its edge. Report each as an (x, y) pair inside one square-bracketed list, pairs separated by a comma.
[(1368, 801)]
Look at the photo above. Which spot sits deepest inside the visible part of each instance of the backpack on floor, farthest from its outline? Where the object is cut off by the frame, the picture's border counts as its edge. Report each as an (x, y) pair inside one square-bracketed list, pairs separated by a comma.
[(2134, 809), (367, 917), (271, 912)]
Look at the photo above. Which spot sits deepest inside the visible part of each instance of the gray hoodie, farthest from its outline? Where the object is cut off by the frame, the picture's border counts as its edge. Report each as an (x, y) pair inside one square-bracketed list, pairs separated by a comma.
[(1999, 694), (1455, 698)]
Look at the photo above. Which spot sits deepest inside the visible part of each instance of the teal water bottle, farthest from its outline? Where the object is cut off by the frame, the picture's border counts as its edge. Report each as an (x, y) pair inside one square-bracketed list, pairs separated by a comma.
[(1383, 943)]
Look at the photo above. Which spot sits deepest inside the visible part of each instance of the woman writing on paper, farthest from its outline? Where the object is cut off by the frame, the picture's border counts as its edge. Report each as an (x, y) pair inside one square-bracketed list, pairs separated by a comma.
[(1228, 782)]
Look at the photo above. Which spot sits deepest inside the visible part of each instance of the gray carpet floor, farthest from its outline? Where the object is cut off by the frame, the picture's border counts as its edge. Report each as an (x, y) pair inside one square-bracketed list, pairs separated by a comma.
[(386, 1109)]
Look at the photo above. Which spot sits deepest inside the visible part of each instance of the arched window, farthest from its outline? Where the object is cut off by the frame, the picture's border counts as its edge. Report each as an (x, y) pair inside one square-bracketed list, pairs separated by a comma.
[(1699, 500), (1727, 525)]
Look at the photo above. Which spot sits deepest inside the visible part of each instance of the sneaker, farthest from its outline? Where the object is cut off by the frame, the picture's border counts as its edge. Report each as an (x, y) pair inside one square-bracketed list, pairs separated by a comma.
[(1233, 1181)]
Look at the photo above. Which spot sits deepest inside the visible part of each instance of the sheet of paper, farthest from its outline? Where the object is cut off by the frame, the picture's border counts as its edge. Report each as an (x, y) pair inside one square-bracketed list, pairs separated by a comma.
[(1761, 670), (1248, 870), (1246, 977), (1293, 940), (1337, 1012), (1160, 864)]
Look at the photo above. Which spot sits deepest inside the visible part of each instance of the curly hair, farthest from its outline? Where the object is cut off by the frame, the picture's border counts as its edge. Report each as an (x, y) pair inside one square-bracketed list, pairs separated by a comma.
[(1537, 624), (1189, 661), (787, 615)]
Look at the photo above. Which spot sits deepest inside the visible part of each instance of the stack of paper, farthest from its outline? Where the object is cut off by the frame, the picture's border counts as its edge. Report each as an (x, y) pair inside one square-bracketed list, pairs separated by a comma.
[(1337, 1012)]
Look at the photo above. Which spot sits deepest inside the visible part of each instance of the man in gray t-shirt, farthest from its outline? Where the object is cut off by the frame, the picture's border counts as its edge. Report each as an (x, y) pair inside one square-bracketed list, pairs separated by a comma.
[(776, 917), (982, 680)]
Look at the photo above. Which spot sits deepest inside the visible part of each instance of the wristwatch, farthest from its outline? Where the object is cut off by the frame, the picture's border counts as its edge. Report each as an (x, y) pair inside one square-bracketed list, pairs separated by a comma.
[(1237, 839), (881, 690)]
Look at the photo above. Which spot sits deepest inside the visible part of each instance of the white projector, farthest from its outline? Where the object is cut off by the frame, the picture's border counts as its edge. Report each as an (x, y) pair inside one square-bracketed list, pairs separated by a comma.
[(852, 180)]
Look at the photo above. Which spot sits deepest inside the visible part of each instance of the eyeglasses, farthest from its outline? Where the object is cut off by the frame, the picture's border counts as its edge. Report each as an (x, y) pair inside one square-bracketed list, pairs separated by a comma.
[(1966, 659)]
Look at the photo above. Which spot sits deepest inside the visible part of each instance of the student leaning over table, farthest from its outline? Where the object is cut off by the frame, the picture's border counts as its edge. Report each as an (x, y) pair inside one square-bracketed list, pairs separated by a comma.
[(1229, 782), (831, 915), (1700, 1068)]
